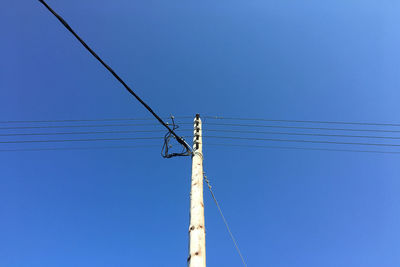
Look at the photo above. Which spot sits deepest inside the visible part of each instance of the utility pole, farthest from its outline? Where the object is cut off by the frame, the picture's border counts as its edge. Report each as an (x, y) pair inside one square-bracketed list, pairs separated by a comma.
[(197, 232)]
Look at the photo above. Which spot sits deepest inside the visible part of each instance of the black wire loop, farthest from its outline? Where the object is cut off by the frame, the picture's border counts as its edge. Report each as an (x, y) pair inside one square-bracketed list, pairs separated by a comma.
[(166, 146)]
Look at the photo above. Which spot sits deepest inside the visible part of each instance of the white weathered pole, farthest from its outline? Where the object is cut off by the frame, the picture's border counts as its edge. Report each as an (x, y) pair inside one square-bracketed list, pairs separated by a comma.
[(197, 233)]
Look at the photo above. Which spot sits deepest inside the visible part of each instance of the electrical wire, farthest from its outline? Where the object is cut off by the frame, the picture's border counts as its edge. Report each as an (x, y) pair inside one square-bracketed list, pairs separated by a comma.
[(79, 140), (92, 132), (300, 127), (208, 144), (205, 130), (63, 22), (73, 148), (303, 121), (301, 141), (306, 134), (223, 218), (305, 148), (88, 120), (80, 126), (167, 145)]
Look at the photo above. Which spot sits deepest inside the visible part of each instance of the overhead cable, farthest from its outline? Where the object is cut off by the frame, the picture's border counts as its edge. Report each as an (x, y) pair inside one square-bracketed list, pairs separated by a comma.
[(304, 121), (74, 148), (295, 133), (299, 141), (304, 148), (80, 126), (178, 138), (89, 132), (88, 120), (301, 127), (78, 140)]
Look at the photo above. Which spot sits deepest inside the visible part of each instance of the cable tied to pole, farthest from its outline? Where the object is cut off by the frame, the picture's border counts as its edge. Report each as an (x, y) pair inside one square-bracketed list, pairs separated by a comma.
[(223, 218), (166, 146)]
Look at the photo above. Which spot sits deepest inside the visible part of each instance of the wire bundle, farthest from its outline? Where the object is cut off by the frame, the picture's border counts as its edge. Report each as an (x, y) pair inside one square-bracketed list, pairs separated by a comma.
[(260, 133)]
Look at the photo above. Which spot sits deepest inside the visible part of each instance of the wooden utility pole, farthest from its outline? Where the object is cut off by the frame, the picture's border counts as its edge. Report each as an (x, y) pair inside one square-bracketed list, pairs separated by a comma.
[(197, 232)]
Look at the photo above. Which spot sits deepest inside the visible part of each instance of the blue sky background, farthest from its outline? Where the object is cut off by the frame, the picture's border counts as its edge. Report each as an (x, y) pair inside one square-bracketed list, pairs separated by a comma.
[(311, 60)]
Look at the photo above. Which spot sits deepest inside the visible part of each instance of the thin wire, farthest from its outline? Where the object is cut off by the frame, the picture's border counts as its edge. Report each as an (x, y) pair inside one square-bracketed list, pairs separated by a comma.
[(223, 218), (205, 130), (208, 144), (81, 126), (301, 141), (88, 120), (305, 148), (179, 139), (93, 132), (300, 127), (304, 121), (307, 134), (73, 148), (79, 140)]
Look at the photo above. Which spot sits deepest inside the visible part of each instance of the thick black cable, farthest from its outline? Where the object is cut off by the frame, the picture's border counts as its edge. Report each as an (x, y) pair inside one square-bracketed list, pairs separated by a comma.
[(166, 146), (301, 127), (304, 121), (299, 141), (79, 140), (178, 138), (80, 126), (305, 148)]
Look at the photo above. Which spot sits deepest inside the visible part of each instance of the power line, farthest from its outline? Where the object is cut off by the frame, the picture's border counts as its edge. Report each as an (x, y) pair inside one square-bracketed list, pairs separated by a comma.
[(301, 141), (223, 218), (305, 148), (88, 120), (304, 121), (301, 127), (208, 144), (205, 136), (80, 126), (74, 148), (205, 130), (179, 139), (91, 132), (79, 140), (306, 134)]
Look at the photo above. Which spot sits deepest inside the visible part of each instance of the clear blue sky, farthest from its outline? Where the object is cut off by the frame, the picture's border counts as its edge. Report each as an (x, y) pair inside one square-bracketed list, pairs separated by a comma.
[(312, 60)]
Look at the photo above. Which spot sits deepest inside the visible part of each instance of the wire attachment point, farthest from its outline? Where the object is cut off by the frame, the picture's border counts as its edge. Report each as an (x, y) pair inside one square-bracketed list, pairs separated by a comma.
[(166, 146)]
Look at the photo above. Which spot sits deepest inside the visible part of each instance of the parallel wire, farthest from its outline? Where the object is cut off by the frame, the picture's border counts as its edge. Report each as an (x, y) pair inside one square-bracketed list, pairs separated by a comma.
[(301, 141), (206, 117), (65, 24), (208, 144), (305, 148), (304, 121), (300, 127), (306, 134), (205, 130), (74, 148), (223, 218), (89, 120), (81, 126), (79, 140), (205, 136), (92, 132)]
